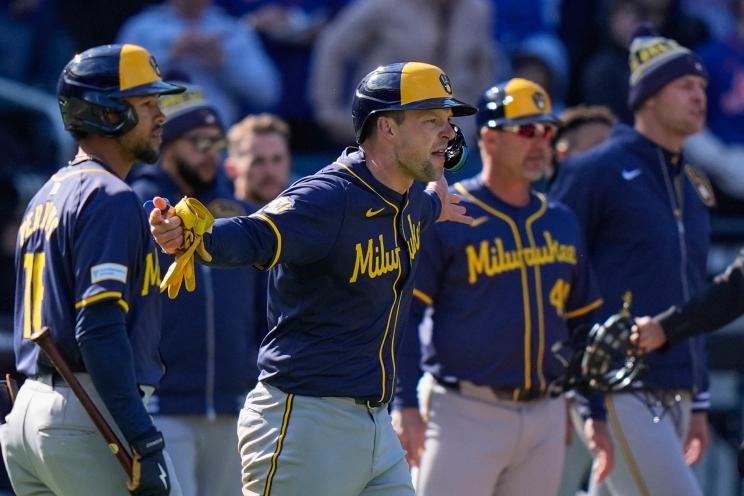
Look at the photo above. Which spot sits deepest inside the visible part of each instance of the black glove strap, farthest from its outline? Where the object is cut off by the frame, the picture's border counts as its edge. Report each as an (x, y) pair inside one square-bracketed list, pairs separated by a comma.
[(148, 445)]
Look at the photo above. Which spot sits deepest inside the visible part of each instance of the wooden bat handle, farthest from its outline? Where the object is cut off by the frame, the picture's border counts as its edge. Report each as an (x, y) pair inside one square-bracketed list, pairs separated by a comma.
[(45, 341)]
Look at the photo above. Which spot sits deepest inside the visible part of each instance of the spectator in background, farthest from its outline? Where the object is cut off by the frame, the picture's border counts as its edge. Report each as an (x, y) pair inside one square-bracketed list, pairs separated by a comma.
[(33, 47), (453, 34), (258, 160), (605, 77), (96, 23), (543, 59), (604, 80), (288, 30), (719, 150), (216, 51), (209, 342)]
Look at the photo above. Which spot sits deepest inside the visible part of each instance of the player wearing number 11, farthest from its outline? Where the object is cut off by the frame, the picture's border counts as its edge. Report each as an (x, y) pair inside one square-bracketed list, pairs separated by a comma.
[(503, 290), (87, 268)]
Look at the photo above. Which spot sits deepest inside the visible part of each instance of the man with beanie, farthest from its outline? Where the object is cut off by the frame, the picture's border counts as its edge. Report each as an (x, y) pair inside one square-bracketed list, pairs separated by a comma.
[(209, 344), (644, 210)]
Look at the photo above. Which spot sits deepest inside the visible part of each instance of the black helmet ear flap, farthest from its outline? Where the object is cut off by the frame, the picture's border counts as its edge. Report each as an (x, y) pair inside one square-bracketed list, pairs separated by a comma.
[(456, 154)]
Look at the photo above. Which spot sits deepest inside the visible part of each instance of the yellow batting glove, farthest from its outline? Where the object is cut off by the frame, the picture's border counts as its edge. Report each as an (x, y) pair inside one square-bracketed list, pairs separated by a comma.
[(196, 220)]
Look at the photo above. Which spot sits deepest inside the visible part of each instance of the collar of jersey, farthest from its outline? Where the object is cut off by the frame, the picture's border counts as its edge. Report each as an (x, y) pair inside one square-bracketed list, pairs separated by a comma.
[(478, 189), (354, 159)]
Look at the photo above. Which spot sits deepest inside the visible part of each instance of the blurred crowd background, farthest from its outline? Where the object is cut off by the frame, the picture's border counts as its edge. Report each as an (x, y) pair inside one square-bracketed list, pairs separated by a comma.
[(299, 60)]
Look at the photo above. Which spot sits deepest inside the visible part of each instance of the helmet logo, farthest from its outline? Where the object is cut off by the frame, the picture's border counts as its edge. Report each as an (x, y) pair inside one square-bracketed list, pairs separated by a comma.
[(445, 83), (539, 99), (154, 65)]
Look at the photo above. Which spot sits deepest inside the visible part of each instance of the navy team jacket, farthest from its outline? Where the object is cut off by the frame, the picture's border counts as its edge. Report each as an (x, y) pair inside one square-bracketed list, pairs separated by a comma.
[(645, 216), (209, 342)]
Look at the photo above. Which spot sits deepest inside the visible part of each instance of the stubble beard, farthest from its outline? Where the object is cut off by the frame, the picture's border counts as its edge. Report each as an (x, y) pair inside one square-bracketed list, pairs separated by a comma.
[(191, 177), (424, 171), (144, 152)]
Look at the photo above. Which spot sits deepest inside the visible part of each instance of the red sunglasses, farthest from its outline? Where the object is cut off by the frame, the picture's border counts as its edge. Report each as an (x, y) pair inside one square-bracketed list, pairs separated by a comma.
[(545, 131)]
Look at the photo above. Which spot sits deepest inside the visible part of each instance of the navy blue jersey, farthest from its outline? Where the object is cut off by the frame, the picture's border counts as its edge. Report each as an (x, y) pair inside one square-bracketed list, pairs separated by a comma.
[(501, 291), (84, 239), (343, 248), (647, 230)]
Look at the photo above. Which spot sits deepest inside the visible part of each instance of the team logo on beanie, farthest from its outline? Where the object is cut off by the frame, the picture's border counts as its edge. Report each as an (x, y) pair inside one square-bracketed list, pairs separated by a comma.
[(446, 84)]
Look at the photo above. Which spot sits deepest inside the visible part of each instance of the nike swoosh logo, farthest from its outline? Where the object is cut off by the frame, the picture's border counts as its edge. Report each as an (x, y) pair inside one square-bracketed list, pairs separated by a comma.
[(372, 213), (629, 175), (478, 221)]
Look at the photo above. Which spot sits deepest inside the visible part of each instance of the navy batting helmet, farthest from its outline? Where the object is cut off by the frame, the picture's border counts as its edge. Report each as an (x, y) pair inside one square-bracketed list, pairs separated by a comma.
[(514, 102), (94, 83), (404, 86)]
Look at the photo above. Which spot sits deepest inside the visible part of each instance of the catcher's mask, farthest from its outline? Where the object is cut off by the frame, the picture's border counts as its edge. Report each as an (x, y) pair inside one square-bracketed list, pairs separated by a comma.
[(410, 86), (604, 359), (93, 85)]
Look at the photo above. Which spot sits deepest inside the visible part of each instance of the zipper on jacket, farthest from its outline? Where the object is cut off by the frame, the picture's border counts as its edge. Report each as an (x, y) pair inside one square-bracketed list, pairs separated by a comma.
[(676, 197), (676, 192), (210, 338)]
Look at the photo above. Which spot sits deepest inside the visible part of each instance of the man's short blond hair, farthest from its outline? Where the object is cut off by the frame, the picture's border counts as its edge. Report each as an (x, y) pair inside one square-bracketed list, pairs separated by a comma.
[(256, 124)]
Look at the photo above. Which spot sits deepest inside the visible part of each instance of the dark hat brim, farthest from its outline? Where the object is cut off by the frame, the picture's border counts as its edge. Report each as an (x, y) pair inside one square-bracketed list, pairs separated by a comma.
[(153, 88), (459, 108)]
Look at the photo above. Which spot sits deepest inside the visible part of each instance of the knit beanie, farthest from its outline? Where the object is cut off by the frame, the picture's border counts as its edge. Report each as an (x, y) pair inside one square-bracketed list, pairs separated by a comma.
[(186, 111), (656, 61)]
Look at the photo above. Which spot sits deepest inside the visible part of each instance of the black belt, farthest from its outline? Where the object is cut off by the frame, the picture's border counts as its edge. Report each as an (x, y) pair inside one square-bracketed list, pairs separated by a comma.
[(369, 403), (56, 379), (503, 393)]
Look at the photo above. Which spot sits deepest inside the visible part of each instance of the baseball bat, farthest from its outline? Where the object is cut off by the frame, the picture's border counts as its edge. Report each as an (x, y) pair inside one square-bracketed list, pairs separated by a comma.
[(45, 341)]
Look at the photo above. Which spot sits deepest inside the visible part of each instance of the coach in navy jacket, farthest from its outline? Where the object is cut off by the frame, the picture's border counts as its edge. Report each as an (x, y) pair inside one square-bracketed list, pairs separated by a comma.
[(644, 210)]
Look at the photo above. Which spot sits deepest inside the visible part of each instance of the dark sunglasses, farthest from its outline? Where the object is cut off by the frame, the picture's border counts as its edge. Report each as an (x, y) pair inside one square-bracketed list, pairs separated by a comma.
[(203, 144), (545, 131)]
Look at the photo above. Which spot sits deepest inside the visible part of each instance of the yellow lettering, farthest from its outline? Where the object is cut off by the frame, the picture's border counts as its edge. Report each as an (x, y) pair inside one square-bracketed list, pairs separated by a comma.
[(152, 273), (559, 294), (477, 262), (44, 217), (374, 261), (492, 259)]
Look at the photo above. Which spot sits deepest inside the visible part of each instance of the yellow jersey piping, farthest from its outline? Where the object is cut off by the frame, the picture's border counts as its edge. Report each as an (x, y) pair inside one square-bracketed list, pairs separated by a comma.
[(525, 288)]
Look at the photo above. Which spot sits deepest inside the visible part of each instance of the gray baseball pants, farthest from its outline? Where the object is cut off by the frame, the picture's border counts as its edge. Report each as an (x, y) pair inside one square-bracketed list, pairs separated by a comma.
[(52, 448), (293, 445), (482, 446), (648, 445)]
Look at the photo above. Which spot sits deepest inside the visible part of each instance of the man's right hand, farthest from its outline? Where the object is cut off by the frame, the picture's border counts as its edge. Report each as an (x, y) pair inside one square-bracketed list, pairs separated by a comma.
[(410, 428), (149, 472), (166, 227), (647, 334), (600, 444)]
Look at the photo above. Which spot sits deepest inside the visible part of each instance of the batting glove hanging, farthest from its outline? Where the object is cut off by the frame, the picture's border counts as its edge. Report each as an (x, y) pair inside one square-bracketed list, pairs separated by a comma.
[(196, 220)]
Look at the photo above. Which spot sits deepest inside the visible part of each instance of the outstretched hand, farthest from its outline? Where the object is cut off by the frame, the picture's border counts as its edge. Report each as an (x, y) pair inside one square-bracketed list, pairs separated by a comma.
[(451, 210)]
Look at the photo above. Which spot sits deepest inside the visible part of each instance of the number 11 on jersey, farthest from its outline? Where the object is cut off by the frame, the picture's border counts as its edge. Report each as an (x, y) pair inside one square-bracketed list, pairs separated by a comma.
[(33, 292)]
